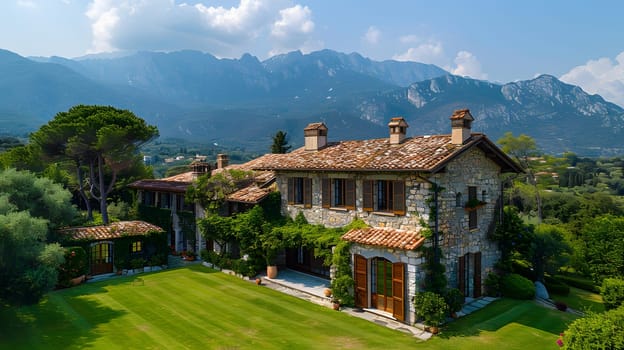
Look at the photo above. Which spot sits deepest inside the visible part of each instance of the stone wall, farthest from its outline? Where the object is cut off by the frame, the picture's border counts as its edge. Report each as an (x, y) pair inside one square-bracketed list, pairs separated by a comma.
[(472, 168)]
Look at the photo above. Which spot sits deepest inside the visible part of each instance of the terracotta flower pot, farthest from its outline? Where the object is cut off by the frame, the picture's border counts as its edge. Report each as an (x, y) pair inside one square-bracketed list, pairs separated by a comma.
[(327, 292), (258, 281), (271, 271)]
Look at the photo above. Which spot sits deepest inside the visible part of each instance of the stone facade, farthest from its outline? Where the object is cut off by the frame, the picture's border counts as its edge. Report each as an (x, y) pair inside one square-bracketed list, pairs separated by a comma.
[(470, 169)]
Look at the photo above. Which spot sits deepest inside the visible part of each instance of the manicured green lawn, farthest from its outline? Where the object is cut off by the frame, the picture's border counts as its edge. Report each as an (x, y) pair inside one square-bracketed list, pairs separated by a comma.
[(198, 308), (581, 300)]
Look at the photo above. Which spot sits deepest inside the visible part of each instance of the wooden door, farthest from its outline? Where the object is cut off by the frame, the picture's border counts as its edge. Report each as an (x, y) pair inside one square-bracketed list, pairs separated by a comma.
[(101, 258), (361, 282), (398, 291)]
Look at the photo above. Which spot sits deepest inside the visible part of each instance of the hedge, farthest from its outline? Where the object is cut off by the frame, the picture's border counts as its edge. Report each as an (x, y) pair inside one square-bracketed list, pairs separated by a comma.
[(517, 287), (596, 331), (555, 286), (579, 282), (612, 291)]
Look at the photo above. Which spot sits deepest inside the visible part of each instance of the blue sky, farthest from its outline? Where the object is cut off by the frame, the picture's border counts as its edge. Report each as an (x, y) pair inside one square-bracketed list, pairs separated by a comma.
[(581, 42)]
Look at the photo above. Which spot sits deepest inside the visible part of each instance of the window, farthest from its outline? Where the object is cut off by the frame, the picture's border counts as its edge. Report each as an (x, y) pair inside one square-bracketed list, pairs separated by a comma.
[(148, 198), (384, 196), (300, 191), (472, 215), (136, 247), (458, 200), (484, 196), (165, 200), (338, 193)]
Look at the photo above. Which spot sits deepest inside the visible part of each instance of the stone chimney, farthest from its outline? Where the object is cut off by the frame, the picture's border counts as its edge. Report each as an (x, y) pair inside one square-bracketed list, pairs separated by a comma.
[(315, 135), (398, 128), (222, 160), (461, 121), (200, 167)]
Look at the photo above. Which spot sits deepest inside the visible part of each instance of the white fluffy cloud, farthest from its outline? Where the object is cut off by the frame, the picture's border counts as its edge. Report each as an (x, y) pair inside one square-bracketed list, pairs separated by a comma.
[(372, 36), (467, 65), (429, 52), (432, 52), (602, 76), (168, 25), (292, 30)]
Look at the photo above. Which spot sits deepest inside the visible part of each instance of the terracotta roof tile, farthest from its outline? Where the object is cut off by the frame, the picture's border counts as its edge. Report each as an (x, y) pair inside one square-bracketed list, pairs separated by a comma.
[(423, 153), (385, 237), (113, 230), (250, 194)]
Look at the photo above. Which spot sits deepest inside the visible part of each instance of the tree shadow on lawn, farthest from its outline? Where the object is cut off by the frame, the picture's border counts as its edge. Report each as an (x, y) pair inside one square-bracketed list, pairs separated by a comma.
[(64, 319), (506, 311)]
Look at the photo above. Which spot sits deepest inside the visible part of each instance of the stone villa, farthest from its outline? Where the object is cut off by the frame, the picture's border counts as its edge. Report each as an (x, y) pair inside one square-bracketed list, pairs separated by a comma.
[(389, 183)]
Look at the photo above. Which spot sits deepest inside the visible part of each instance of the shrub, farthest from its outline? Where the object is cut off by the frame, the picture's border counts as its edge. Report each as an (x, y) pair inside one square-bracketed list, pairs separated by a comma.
[(431, 307), (454, 299), (554, 286), (137, 263), (612, 291), (596, 331), (517, 287), (493, 284), (342, 289), (75, 265), (579, 282)]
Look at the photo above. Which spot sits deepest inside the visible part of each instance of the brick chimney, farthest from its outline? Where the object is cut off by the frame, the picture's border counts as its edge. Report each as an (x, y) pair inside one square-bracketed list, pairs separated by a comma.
[(315, 135), (461, 121), (398, 128), (222, 160)]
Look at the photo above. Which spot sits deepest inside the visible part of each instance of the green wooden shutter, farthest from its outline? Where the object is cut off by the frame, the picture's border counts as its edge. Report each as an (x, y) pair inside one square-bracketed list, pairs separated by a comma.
[(307, 193), (326, 193), (398, 195), (367, 192), (350, 194)]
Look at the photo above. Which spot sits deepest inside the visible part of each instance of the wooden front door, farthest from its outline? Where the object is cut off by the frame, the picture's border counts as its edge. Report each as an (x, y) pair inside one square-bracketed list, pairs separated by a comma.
[(361, 282), (101, 258), (469, 274), (382, 295)]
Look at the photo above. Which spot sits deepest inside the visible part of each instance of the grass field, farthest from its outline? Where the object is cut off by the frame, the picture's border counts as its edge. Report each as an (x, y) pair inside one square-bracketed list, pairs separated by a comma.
[(581, 300), (198, 308)]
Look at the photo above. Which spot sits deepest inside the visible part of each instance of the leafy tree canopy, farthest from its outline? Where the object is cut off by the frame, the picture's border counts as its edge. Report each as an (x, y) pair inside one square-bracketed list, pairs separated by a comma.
[(99, 140)]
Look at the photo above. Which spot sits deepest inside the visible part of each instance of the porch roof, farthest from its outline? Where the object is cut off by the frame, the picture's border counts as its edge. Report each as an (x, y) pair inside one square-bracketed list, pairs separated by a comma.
[(110, 231), (385, 237)]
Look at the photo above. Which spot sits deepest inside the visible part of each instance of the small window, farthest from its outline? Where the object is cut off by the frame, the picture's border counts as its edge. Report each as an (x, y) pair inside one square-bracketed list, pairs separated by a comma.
[(300, 191), (458, 199), (136, 247), (484, 196), (384, 196)]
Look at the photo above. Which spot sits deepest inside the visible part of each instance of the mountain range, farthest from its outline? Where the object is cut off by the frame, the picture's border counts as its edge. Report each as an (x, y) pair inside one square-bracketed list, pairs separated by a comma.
[(243, 102)]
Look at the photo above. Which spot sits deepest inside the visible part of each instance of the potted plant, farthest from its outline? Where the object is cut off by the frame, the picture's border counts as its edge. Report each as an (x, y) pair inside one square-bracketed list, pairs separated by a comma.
[(455, 300), (189, 255), (432, 308), (474, 204), (119, 266), (342, 290), (137, 264), (272, 243)]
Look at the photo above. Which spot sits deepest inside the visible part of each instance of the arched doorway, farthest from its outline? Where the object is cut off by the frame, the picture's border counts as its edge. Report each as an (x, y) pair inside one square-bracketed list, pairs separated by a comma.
[(101, 258)]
